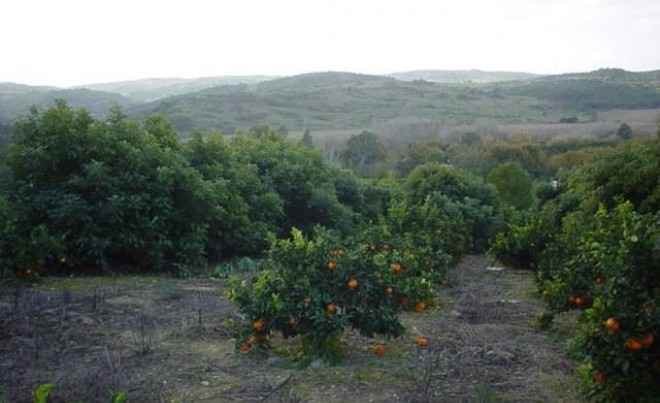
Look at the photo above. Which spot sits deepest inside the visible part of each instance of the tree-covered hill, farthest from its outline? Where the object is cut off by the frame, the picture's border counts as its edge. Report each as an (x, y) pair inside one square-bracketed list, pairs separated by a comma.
[(331, 100), (16, 99), (152, 89)]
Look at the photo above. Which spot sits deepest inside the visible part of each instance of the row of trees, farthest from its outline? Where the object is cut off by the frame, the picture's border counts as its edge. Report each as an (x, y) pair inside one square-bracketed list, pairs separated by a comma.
[(594, 242), (80, 192), (89, 193)]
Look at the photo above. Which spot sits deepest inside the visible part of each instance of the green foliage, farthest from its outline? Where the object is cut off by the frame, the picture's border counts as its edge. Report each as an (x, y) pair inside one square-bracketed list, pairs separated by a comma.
[(318, 288), (474, 203), (81, 192), (119, 397), (600, 252), (624, 132), (513, 185), (361, 150), (42, 392)]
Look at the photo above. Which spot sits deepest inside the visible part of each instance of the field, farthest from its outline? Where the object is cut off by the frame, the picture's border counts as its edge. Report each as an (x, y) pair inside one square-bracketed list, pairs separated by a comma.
[(163, 340)]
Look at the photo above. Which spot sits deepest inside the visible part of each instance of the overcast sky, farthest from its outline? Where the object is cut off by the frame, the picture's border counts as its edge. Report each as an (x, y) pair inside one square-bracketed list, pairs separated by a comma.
[(73, 42)]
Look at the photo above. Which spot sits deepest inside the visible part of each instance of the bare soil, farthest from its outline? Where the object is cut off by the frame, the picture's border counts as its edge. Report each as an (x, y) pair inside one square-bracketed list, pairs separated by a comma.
[(163, 340)]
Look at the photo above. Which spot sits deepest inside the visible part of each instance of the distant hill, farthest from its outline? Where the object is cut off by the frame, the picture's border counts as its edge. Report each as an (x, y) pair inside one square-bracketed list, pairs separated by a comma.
[(16, 99), (347, 101), (152, 89), (462, 76), (13, 88), (596, 90), (334, 100)]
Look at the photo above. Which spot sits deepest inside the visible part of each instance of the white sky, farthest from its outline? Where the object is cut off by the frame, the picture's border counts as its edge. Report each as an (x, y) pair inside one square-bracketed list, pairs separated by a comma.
[(73, 42)]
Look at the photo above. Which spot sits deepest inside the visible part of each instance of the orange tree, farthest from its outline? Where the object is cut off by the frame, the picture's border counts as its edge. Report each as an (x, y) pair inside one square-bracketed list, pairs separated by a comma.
[(599, 253), (318, 288)]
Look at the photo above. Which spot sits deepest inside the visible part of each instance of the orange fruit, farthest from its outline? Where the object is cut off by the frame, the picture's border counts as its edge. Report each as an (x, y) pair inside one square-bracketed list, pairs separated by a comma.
[(633, 344), (291, 321), (571, 299), (420, 307), (331, 308), (396, 268), (612, 324), (258, 325), (245, 347), (388, 291), (578, 301), (600, 378), (331, 265), (379, 350), (256, 339), (422, 342), (353, 283), (648, 340)]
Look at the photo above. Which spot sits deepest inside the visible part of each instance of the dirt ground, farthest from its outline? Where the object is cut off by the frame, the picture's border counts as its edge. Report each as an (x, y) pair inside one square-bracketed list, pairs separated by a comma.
[(163, 340)]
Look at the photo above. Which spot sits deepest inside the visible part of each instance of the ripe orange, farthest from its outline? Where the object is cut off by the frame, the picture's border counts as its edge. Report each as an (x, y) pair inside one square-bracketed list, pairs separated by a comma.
[(353, 283), (291, 321), (600, 378), (648, 340), (422, 342), (379, 350), (578, 301), (420, 307), (331, 308), (388, 291), (331, 265), (245, 347), (258, 325), (256, 339), (396, 268), (633, 344), (612, 324)]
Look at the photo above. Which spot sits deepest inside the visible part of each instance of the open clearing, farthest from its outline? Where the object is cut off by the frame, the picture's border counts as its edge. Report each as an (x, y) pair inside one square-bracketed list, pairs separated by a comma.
[(163, 340)]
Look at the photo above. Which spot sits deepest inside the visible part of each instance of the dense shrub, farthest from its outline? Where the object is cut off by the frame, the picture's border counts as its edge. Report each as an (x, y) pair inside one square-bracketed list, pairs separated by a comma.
[(475, 203), (86, 193), (600, 252)]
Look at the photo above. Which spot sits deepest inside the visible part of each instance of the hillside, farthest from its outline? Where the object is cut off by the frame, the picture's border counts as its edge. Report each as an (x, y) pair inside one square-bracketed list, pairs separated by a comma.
[(16, 99), (325, 101), (599, 90), (333, 101), (152, 89)]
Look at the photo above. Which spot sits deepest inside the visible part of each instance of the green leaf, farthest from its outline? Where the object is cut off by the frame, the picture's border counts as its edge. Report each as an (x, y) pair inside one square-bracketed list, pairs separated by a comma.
[(42, 392), (119, 397)]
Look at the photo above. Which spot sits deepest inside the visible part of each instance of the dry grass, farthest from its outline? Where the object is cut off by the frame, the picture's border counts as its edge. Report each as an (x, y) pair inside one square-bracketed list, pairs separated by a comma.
[(163, 340)]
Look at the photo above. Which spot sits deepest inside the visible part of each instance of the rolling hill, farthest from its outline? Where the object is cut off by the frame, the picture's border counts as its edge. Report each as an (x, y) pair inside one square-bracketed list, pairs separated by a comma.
[(346, 101), (152, 89), (16, 99), (332, 100)]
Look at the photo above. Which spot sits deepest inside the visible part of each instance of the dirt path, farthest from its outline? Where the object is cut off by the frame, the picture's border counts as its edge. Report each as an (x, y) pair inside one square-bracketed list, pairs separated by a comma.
[(488, 348), (91, 336)]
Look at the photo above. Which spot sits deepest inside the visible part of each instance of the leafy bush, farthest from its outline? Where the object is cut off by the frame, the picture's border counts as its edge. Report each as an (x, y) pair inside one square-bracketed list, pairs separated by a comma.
[(318, 288), (475, 203), (600, 253)]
